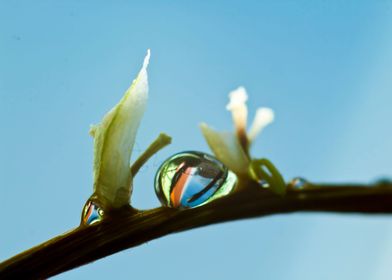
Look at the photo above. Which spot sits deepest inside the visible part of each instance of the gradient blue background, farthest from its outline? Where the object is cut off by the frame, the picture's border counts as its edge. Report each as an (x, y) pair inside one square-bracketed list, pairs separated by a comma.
[(324, 66)]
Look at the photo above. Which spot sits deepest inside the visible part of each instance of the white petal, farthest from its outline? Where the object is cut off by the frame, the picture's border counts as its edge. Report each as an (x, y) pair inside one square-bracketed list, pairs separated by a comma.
[(114, 138), (227, 149), (238, 97), (264, 116), (239, 111)]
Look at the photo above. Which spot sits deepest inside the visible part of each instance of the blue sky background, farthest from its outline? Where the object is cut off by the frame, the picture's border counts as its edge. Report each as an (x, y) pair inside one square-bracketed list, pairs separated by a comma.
[(324, 66)]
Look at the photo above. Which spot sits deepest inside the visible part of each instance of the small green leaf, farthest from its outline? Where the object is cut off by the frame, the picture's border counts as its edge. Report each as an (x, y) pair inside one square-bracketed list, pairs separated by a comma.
[(258, 171)]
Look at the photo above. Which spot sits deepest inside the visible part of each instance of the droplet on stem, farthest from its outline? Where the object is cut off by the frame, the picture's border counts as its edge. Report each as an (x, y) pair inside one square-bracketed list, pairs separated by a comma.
[(263, 183), (298, 183), (92, 213), (191, 179), (383, 181)]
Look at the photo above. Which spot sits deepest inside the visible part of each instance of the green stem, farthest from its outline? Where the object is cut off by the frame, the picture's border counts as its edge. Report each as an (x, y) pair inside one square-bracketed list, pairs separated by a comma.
[(159, 143)]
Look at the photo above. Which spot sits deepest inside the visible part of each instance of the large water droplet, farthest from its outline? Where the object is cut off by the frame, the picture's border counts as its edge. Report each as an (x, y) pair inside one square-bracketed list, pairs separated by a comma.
[(92, 213), (191, 179), (298, 183)]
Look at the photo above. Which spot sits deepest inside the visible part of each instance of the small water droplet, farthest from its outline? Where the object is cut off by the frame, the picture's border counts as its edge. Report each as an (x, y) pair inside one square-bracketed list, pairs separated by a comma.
[(384, 181), (191, 179), (298, 183), (92, 213), (263, 183)]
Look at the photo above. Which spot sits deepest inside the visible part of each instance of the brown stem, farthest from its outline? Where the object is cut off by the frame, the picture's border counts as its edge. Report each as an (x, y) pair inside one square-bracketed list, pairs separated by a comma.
[(126, 229)]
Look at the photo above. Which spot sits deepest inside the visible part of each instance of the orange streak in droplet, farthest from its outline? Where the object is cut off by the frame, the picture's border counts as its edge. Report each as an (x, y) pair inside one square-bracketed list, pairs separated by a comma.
[(88, 214), (177, 190)]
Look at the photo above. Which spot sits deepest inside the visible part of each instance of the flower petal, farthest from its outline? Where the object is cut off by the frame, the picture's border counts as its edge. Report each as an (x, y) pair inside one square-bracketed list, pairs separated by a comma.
[(227, 149), (114, 138), (239, 111), (264, 116)]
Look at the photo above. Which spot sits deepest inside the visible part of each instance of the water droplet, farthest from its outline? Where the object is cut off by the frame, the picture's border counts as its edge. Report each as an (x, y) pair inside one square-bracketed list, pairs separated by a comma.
[(263, 183), (384, 181), (298, 183), (92, 213), (191, 179)]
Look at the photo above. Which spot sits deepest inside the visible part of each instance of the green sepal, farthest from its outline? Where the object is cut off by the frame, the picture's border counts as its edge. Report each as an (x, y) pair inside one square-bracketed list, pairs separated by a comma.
[(263, 169)]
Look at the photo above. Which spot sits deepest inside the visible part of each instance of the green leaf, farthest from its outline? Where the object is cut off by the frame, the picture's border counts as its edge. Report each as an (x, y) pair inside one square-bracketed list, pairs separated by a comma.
[(263, 169)]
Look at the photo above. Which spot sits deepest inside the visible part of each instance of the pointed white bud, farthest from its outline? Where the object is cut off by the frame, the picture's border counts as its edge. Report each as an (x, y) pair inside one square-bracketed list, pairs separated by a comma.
[(114, 138)]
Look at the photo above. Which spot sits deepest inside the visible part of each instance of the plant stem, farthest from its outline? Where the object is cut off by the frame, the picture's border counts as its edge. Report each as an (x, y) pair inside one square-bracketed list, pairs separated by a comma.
[(126, 229), (159, 143)]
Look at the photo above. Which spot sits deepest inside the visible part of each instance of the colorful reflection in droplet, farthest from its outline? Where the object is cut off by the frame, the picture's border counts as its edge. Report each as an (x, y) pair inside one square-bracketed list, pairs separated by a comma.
[(92, 213), (191, 179)]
